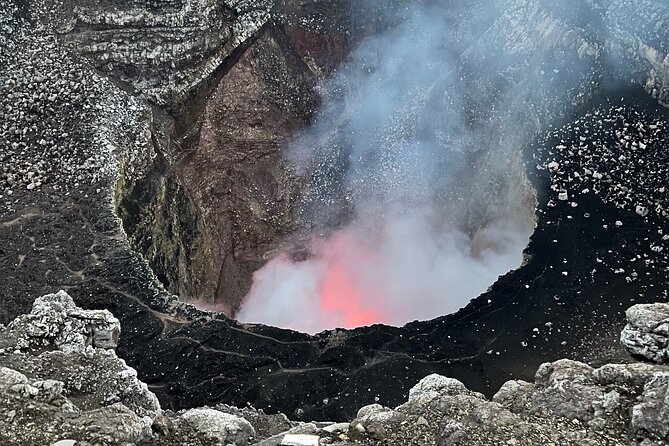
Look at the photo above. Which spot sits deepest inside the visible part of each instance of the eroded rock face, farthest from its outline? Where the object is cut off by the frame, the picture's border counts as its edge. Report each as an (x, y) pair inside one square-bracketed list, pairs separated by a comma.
[(219, 166), (247, 193), (190, 39)]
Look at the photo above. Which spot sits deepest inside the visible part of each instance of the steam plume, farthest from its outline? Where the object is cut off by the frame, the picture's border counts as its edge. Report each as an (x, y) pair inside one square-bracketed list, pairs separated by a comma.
[(408, 216)]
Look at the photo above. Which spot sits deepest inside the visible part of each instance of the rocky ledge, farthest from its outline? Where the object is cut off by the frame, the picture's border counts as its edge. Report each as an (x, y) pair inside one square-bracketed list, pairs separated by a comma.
[(61, 383)]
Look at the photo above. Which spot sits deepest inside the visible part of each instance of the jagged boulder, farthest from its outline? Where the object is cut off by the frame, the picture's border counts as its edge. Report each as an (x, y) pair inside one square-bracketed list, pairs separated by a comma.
[(93, 378), (61, 392), (650, 418), (374, 420), (37, 412), (647, 331), (218, 426), (570, 403), (59, 373), (55, 320), (61, 381)]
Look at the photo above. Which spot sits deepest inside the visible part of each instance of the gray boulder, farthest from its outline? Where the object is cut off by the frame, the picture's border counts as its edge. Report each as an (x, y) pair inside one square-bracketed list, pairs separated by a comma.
[(568, 404), (650, 418), (60, 378), (36, 412), (95, 378), (647, 331), (56, 383), (56, 320), (221, 427)]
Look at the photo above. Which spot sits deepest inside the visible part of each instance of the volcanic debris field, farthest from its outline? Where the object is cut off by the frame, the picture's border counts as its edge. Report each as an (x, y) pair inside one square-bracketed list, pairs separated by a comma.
[(88, 158)]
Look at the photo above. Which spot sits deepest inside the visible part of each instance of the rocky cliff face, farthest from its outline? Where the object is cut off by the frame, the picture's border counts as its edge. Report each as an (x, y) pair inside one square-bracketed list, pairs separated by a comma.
[(253, 87), (62, 383), (234, 80)]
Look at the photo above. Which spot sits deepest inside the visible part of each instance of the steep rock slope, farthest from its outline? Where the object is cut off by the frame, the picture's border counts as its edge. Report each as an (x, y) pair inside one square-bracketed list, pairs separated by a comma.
[(232, 80)]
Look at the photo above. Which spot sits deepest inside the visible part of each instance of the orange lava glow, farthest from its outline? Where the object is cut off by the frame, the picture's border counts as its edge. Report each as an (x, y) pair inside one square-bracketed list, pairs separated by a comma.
[(342, 293)]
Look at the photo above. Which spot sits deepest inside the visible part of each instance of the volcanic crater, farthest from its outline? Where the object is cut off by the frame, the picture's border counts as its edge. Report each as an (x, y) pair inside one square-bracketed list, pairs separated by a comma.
[(206, 197)]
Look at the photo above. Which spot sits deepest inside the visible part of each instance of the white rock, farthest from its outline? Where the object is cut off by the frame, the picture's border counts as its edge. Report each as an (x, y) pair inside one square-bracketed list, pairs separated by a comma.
[(65, 443), (219, 425), (10, 377), (433, 385), (368, 410), (337, 428), (71, 329), (300, 440)]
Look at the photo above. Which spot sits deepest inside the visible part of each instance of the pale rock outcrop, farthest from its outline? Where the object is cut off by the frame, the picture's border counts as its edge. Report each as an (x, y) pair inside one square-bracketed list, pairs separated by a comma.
[(434, 385), (95, 377), (56, 320), (36, 412), (570, 403), (61, 381), (48, 395), (58, 371), (633, 375), (219, 426), (650, 418), (647, 331)]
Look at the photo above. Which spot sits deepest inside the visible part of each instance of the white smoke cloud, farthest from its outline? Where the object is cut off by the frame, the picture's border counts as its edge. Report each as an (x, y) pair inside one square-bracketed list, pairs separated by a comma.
[(408, 270), (396, 178)]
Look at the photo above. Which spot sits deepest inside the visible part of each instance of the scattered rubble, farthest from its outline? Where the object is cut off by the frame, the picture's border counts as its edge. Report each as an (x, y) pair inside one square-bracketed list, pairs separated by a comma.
[(617, 153), (57, 122)]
